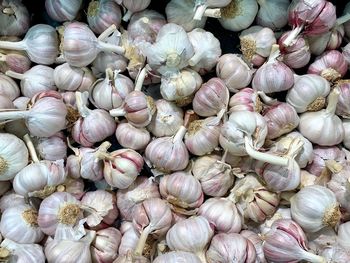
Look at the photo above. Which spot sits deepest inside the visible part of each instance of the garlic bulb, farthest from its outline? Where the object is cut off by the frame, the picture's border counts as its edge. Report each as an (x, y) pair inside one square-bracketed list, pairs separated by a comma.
[(108, 60), (168, 153), (20, 224), (343, 108), (246, 99), (315, 207), (211, 98), (190, 235), (256, 44), (134, 6), (181, 12), (343, 233), (62, 10), (11, 199), (222, 214), (22, 253), (339, 185), (216, 176), (152, 217), (323, 127), (167, 119), (102, 14), (234, 72), (68, 78), (141, 189), (8, 87), (130, 237), (257, 242), (14, 18), (206, 50), (286, 242), (273, 14), (308, 93), (74, 250), (131, 137), (201, 6), (105, 246), (13, 156), (239, 14), (40, 44), (52, 148), (16, 61), (225, 247), (166, 55), (182, 191), (109, 93), (177, 256)]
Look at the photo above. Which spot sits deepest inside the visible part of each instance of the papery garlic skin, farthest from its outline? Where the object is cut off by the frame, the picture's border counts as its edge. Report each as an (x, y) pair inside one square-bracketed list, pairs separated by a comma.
[(62, 10), (257, 242), (273, 14), (245, 99), (20, 224), (308, 93), (105, 245), (343, 234), (338, 184), (239, 14), (343, 107), (234, 72), (14, 18), (177, 256), (315, 207), (222, 214), (131, 137), (52, 148), (11, 199), (24, 253), (13, 156)]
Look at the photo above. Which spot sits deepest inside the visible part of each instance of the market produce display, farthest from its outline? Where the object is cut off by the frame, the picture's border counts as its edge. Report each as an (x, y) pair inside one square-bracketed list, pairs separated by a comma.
[(131, 131)]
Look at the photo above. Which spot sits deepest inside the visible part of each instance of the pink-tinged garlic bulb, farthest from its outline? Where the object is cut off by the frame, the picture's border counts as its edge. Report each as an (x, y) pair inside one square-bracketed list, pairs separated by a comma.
[(211, 98), (137, 109), (93, 125), (62, 10), (141, 189), (274, 75), (70, 249), (68, 78), (323, 127), (40, 43), (167, 119), (206, 50), (253, 199), (110, 92), (284, 144), (216, 176), (105, 246), (130, 237), (121, 167), (59, 209), (257, 242), (105, 206), (323, 157), (343, 108), (151, 217), (108, 60), (202, 136), (256, 43), (190, 235), (202, 6), (182, 191), (331, 65), (222, 214), (165, 55), (281, 119), (19, 223), (227, 246), (79, 35), (273, 14), (133, 6), (102, 14), (234, 72), (37, 79), (238, 15), (11, 199), (46, 117), (177, 256), (181, 12), (286, 242), (16, 61), (308, 93), (315, 207), (131, 137), (339, 185), (13, 156), (180, 87), (346, 53), (346, 126), (281, 213), (145, 25), (14, 18), (22, 253), (8, 87), (74, 187), (168, 153), (297, 55), (246, 99)]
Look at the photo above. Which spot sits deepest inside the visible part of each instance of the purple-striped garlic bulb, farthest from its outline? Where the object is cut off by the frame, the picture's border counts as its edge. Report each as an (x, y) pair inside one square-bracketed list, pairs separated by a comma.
[(132, 137), (14, 18), (16, 61), (343, 108), (62, 10), (246, 99), (105, 246)]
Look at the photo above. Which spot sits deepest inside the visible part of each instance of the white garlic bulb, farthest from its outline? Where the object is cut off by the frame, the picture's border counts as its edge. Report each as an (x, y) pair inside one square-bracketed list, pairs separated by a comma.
[(315, 207), (22, 253), (62, 10), (13, 156), (273, 14)]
